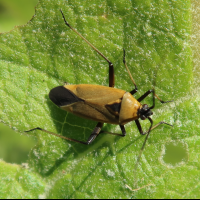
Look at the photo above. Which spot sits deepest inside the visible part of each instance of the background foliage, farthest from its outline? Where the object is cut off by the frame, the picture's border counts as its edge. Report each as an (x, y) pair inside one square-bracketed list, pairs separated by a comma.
[(44, 53)]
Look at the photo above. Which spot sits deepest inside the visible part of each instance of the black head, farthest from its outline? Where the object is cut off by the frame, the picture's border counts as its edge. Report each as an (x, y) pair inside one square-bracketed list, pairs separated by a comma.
[(145, 112)]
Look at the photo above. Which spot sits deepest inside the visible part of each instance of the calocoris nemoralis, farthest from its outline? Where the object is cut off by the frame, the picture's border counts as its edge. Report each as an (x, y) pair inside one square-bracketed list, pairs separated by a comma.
[(103, 104)]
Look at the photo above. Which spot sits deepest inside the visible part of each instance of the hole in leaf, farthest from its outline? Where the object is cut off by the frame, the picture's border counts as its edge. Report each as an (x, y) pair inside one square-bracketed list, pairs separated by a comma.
[(174, 153)]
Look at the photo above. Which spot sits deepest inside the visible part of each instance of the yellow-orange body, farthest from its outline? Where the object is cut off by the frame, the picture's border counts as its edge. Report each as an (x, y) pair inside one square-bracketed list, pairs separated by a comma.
[(103, 104), (98, 104)]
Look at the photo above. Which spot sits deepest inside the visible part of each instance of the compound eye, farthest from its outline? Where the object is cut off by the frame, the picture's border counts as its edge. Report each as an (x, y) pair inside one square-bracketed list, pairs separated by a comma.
[(142, 117), (145, 107)]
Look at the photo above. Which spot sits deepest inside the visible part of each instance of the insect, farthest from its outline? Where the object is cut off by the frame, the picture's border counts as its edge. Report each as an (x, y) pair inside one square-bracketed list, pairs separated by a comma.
[(103, 104)]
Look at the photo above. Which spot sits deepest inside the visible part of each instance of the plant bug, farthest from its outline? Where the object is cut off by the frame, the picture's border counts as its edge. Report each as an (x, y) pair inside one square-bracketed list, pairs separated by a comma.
[(103, 104)]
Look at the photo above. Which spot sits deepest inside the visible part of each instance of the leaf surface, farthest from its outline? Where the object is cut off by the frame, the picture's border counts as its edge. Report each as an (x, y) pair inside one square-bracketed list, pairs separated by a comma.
[(45, 53)]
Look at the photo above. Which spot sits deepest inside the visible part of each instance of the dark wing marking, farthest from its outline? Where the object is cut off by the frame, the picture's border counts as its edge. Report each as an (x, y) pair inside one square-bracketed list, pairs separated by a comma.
[(114, 108), (92, 111), (62, 96), (103, 111)]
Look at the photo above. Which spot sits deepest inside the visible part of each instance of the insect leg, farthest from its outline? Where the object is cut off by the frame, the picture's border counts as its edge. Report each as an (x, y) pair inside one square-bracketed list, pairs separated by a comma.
[(94, 134), (118, 134), (139, 127), (111, 68), (154, 95), (123, 130), (159, 124), (66, 138), (150, 129), (143, 133), (145, 95), (124, 61)]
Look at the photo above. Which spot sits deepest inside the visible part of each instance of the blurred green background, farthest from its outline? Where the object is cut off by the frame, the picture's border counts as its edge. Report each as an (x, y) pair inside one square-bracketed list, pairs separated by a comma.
[(14, 147), (15, 12)]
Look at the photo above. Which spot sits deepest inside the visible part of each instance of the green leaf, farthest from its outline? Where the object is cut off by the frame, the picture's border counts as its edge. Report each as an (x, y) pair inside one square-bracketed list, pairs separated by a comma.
[(45, 53), (19, 183)]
